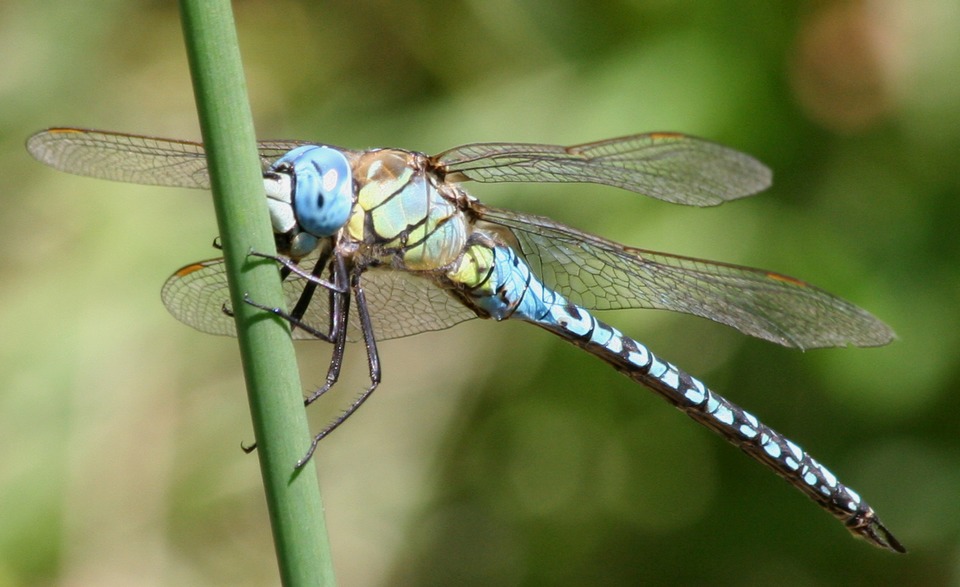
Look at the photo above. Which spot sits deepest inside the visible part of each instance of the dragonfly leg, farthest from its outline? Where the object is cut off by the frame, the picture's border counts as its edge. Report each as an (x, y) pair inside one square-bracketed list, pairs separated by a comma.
[(313, 279), (292, 266), (339, 311), (293, 320), (310, 289), (373, 363), (295, 316), (339, 314)]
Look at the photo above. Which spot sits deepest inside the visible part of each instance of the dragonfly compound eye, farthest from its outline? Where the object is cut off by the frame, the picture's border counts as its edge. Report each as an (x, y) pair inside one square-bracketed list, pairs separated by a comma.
[(323, 188)]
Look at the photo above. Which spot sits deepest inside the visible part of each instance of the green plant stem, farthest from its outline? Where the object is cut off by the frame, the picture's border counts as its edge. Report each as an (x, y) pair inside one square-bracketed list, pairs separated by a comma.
[(269, 363)]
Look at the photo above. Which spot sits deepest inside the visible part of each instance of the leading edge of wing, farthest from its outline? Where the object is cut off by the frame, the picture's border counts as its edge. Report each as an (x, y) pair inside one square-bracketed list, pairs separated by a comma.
[(672, 167)]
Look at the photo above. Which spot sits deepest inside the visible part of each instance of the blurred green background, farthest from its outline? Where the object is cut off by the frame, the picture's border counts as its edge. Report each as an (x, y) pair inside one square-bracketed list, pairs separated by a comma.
[(493, 454)]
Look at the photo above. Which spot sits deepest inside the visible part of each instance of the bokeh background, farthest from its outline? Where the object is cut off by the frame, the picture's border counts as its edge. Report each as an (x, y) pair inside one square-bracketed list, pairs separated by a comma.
[(493, 454)]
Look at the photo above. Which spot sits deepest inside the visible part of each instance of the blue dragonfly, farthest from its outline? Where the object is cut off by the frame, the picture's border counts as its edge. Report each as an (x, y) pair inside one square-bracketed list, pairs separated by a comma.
[(386, 243)]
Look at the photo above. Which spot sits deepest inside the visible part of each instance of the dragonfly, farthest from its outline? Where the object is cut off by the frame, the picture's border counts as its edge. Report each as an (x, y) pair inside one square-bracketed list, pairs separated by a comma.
[(386, 243)]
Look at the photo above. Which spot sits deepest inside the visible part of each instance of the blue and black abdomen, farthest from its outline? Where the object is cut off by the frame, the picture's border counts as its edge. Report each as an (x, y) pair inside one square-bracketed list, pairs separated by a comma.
[(509, 289)]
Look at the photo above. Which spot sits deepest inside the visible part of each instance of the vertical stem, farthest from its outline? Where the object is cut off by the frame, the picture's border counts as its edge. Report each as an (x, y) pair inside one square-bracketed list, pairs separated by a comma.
[(269, 363)]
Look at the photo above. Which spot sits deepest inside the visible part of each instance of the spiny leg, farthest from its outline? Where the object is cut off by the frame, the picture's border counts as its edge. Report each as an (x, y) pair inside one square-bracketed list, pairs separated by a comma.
[(293, 267), (373, 363), (339, 311), (295, 317), (293, 320), (310, 288), (339, 315)]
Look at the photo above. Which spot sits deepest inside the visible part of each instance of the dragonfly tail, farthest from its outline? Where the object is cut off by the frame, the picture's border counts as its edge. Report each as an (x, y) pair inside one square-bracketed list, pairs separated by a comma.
[(513, 291), (724, 417)]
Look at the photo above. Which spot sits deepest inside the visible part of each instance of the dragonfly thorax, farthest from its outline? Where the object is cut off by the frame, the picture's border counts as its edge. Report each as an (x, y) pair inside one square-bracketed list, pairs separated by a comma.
[(403, 214)]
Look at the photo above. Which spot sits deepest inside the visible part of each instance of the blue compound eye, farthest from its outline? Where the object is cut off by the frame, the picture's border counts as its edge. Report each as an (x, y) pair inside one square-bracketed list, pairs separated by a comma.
[(323, 193)]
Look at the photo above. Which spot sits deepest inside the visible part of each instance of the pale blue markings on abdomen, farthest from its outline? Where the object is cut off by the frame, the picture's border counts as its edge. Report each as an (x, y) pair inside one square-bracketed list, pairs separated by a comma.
[(520, 294), (517, 293)]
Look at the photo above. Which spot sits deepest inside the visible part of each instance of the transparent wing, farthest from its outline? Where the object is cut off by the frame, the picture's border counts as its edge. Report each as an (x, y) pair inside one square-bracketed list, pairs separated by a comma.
[(600, 274), (401, 304), (672, 167), (132, 158)]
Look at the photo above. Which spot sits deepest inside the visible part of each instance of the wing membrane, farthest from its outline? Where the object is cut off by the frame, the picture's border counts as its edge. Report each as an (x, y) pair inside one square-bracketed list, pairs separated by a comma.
[(600, 274), (591, 271), (401, 304), (673, 167), (132, 158)]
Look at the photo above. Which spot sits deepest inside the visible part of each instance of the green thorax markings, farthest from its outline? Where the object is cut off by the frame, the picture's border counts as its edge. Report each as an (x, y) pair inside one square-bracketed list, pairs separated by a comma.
[(402, 213)]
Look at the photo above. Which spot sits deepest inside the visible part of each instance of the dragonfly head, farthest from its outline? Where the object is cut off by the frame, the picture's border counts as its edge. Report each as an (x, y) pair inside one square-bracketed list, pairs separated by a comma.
[(310, 195)]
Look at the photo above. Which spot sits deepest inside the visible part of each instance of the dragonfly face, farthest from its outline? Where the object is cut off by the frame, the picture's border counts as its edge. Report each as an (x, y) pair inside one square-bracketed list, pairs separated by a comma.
[(310, 195)]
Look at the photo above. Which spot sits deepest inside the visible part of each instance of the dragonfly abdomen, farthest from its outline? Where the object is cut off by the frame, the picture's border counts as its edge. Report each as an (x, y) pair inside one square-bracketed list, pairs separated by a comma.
[(511, 290), (737, 425)]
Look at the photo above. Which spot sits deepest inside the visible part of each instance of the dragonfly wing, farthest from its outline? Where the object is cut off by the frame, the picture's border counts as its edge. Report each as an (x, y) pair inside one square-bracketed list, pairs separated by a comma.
[(401, 304), (601, 274), (197, 295), (404, 304), (132, 158), (672, 167)]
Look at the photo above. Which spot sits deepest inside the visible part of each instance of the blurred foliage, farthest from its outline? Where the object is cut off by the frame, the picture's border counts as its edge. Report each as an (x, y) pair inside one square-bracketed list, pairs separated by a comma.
[(493, 454)]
